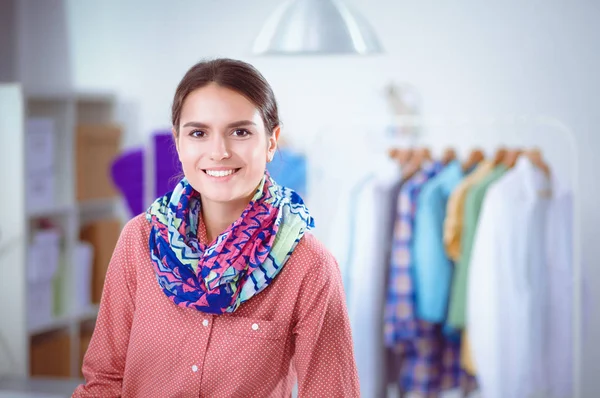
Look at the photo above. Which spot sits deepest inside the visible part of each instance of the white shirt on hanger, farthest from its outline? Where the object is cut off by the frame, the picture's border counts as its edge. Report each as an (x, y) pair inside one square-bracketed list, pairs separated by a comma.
[(505, 288), (363, 258), (558, 345)]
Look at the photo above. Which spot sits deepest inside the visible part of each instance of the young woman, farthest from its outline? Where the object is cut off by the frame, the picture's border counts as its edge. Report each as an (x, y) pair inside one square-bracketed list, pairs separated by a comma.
[(219, 290)]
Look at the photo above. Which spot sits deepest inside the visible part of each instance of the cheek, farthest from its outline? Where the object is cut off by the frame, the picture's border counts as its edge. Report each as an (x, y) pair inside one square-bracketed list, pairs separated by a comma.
[(189, 153), (253, 155)]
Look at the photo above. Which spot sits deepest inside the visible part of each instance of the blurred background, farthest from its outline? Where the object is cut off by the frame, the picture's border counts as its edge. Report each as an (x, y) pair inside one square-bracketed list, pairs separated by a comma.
[(85, 95)]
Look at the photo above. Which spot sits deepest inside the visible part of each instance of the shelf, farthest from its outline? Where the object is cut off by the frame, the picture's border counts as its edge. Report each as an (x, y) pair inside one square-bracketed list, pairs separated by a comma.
[(58, 210), (64, 321), (67, 95), (68, 110), (95, 205)]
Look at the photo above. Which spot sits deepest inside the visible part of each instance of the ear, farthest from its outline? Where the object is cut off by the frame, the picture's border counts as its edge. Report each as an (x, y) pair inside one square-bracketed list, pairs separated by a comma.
[(272, 143)]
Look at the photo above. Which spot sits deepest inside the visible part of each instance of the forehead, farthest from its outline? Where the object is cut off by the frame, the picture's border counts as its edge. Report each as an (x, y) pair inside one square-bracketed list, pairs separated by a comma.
[(215, 102)]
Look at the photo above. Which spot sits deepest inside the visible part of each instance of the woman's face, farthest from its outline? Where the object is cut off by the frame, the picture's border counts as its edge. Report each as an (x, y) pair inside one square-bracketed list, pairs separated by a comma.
[(223, 145)]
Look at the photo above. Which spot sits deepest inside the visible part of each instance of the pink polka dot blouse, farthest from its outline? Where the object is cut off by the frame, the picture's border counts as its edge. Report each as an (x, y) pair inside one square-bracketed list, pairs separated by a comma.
[(146, 346)]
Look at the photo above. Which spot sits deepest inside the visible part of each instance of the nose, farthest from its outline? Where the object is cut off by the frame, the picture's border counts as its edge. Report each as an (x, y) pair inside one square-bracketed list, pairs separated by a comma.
[(218, 149)]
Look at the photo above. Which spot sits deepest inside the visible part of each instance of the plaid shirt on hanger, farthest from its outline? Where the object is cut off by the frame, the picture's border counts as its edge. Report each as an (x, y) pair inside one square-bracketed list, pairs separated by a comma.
[(400, 314), (430, 359)]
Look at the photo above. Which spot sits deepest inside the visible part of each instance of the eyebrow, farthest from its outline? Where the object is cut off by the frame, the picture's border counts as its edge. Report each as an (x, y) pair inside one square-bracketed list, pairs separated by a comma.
[(240, 123)]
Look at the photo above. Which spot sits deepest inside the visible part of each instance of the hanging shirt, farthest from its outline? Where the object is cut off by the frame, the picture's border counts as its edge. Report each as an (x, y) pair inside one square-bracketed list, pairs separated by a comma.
[(146, 346), (363, 249), (431, 363), (558, 342), (346, 228), (288, 168), (505, 287), (453, 224), (432, 267), (430, 360), (473, 201), (368, 265), (466, 358), (400, 312)]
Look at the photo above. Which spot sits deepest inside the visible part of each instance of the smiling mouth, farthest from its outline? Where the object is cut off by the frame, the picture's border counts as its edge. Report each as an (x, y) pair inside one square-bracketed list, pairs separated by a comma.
[(221, 173)]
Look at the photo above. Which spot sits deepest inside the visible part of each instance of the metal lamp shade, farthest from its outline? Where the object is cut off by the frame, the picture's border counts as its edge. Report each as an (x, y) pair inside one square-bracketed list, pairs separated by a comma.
[(316, 27)]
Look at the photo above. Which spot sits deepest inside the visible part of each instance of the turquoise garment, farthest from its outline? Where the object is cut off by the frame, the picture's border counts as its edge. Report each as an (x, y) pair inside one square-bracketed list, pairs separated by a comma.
[(288, 168), (432, 267)]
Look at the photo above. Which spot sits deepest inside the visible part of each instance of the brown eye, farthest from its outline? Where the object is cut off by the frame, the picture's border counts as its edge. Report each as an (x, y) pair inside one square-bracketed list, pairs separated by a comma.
[(241, 133), (197, 133)]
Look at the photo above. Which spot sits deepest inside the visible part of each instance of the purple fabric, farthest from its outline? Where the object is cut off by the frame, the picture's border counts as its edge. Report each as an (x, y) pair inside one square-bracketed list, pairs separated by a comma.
[(167, 165), (127, 172)]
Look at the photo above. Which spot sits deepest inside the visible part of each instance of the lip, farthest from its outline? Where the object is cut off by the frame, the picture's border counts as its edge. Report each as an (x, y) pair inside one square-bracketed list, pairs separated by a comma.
[(221, 168)]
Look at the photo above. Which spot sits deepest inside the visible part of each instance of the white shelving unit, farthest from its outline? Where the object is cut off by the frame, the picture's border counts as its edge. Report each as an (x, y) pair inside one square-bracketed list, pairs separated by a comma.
[(13, 333), (66, 110)]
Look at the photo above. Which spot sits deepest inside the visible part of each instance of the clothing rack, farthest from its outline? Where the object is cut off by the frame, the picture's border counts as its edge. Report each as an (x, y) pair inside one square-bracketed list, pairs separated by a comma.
[(406, 131), (417, 125), (361, 135)]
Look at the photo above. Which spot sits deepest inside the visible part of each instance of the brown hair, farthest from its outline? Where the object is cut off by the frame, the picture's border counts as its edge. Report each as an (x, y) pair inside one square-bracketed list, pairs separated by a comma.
[(236, 75)]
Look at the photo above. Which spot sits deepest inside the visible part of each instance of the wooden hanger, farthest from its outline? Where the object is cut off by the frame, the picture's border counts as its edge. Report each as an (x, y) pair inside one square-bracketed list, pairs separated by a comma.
[(393, 153), (415, 162), (405, 156), (401, 155), (448, 156), (499, 156), (511, 158), (535, 156), (425, 154), (474, 158)]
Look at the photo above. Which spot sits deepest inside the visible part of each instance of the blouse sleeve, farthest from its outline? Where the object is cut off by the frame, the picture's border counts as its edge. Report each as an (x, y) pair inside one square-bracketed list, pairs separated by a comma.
[(324, 355), (104, 361)]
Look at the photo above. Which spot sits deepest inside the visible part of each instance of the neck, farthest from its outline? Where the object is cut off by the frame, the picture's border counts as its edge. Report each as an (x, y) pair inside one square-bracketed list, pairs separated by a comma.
[(218, 216)]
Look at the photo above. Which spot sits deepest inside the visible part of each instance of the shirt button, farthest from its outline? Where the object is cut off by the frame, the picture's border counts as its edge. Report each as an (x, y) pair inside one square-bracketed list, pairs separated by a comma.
[(255, 326), (195, 368), (205, 322)]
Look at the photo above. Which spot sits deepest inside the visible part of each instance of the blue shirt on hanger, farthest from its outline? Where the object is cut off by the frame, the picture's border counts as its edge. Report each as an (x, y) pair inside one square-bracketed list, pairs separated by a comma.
[(432, 267)]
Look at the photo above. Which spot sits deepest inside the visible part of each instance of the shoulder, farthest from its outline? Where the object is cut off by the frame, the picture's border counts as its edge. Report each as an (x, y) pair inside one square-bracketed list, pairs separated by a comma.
[(311, 255), (133, 239), (137, 227), (432, 187), (131, 252)]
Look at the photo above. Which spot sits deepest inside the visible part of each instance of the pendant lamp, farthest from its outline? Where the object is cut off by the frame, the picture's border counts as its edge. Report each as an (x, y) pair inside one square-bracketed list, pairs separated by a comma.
[(316, 27)]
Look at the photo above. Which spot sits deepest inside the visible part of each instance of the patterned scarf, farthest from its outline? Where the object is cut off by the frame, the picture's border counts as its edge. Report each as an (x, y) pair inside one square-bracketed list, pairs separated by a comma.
[(240, 263)]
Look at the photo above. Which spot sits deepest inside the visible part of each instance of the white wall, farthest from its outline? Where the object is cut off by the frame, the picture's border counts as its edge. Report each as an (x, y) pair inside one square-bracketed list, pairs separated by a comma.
[(465, 58)]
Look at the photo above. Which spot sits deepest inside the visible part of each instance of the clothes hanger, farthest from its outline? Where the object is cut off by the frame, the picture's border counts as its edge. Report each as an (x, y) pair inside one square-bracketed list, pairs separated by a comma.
[(393, 153), (474, 158), (535, 156), (401, 155), (404, 156), (415, 162), (511, 158), (448, 156), (499, 156), (425, 154)]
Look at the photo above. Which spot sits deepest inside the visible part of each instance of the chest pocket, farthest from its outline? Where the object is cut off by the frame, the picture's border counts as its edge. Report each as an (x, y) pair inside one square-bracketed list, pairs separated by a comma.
[(252, 352), (254, 328)]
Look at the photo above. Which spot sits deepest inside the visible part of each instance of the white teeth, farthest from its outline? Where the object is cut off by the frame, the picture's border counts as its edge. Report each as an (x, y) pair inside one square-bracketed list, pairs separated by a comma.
[(219, 173)]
